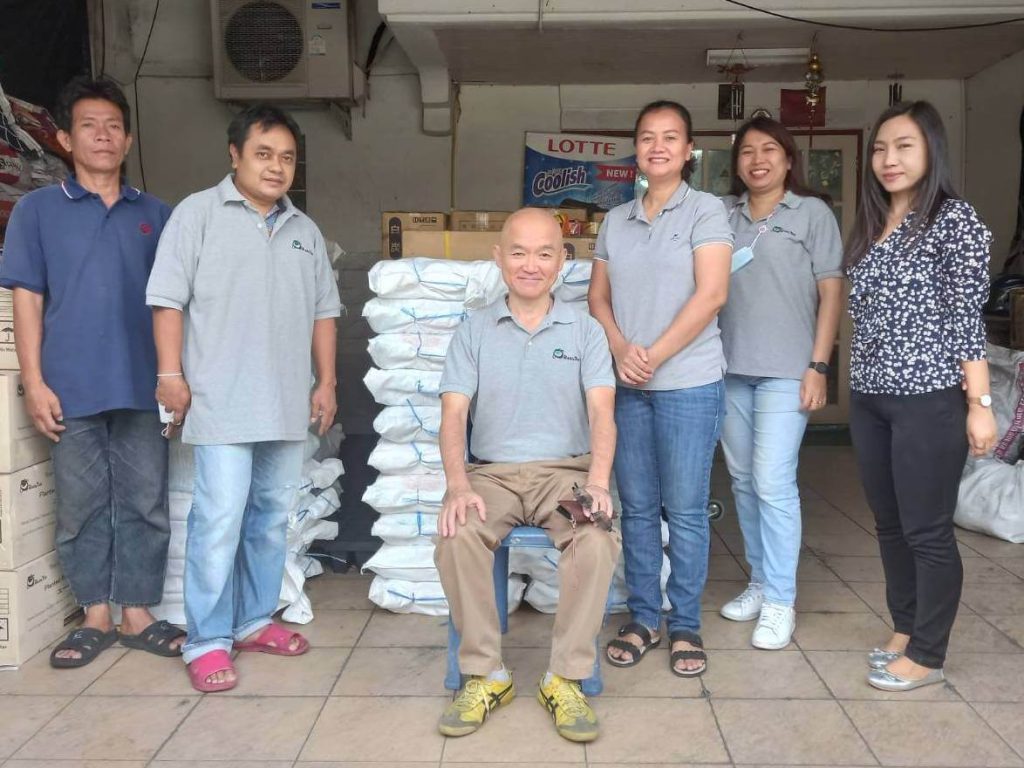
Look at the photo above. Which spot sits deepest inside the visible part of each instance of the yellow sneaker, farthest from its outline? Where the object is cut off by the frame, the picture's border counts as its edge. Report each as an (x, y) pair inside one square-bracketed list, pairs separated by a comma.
[(478, 697), (574, 718)]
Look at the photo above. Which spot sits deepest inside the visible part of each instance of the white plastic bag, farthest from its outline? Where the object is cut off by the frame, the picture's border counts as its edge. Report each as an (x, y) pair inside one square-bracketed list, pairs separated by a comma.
[(991, 496), (403, 494), (427, 597), (405, 458), (398, 596), (405, 423), (322, 474), (991, 499), (421, 351), (408, 563), (445, 279), (409, 315), (411, 528), (404, 386), (574, 282)]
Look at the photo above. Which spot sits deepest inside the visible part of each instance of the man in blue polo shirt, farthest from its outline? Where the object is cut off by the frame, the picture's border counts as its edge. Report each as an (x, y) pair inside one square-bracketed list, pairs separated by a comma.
[(78, 255)]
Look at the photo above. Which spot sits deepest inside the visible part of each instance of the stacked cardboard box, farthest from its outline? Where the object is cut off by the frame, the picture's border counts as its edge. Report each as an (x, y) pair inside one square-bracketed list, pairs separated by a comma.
[(471, 235), (36, 604)]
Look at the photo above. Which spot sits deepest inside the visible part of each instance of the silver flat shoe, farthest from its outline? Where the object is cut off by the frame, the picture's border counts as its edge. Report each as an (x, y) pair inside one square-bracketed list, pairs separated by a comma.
[(880, 659), (885, 680)]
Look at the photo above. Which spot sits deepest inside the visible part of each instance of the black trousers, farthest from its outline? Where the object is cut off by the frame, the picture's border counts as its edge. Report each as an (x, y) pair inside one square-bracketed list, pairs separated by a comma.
[(911, 451)]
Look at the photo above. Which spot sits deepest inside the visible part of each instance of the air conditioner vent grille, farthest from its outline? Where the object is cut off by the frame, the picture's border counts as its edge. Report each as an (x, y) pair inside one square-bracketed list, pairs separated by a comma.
[(264, 41)]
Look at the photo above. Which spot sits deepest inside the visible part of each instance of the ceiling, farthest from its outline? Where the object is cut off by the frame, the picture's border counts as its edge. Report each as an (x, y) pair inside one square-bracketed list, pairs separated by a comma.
[(677, 55), (548, 42)]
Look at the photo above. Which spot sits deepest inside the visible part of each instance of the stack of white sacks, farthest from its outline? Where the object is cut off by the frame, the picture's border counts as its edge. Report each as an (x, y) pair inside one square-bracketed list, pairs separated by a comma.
[(318, 498), (420, 302)]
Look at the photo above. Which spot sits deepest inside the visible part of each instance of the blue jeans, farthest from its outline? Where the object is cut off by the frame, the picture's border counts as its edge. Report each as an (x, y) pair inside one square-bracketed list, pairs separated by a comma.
[(761, 438), (112, 521), (666, 443), (235, 551)]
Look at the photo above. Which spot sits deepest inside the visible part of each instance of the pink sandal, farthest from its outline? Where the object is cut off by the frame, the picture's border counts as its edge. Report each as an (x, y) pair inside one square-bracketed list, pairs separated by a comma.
[(275, 639), (210, 664)]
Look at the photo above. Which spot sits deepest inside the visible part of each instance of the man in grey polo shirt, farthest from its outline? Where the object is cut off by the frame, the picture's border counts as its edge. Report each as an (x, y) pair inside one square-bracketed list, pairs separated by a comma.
[(244, 301), (535, 376)]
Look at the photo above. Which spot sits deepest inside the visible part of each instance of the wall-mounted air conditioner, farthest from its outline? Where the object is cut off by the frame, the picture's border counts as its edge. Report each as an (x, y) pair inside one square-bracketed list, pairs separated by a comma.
[(282, 50)]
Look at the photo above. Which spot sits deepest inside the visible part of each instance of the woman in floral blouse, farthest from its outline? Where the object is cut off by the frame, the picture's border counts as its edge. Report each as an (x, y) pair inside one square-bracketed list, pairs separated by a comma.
[(918, 261)]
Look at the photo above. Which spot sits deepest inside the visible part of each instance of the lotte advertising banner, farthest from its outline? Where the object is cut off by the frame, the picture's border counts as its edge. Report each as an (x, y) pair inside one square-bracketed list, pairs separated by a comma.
[(567, 170)]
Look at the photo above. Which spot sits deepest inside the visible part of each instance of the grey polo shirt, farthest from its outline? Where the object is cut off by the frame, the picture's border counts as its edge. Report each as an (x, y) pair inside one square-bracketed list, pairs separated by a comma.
[(249, 302), (650, 268), (528, 390), (769, 323)]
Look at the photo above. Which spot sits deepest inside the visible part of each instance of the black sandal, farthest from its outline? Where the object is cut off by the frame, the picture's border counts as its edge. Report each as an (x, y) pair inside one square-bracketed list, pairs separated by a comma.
[(693, 639), (635, 652), (86, 641), (156, 639)]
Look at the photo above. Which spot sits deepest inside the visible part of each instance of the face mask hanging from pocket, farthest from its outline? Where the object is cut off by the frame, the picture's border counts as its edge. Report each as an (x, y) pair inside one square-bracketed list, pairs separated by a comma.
[(743, 256)]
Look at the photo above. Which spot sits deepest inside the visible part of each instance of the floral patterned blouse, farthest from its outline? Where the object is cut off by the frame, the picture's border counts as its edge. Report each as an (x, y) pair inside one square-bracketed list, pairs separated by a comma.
[(916, 304)]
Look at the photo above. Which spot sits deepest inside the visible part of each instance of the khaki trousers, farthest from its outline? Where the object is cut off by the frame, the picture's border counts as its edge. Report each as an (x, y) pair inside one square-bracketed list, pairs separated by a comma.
[(527, 494)]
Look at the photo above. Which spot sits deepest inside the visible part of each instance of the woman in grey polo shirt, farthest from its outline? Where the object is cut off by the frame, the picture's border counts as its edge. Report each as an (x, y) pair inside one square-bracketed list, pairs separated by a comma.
[(778, 330), (661, 274)]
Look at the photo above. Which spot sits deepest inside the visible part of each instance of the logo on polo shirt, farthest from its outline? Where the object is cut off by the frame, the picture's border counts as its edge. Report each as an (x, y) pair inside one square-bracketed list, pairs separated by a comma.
[(146, 228), (561, 354), (778, 229), (300, 247)]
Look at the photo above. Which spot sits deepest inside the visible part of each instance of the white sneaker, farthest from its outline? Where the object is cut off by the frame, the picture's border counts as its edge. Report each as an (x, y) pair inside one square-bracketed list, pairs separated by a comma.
[(774, 627), (746, 606)]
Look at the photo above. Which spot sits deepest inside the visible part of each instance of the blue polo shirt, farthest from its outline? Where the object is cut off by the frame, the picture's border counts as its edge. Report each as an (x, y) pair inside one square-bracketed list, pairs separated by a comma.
[(91, 265)]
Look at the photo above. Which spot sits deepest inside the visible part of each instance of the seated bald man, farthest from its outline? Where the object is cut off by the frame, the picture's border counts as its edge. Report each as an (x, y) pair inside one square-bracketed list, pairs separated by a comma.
[(535, 376)]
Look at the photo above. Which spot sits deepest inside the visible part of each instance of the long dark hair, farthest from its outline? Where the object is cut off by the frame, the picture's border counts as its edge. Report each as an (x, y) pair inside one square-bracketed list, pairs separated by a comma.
[(932, 191), (684, 114), (794, 181)]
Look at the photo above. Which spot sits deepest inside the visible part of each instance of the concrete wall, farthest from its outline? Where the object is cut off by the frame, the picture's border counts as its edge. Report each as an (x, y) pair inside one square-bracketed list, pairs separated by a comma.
[(489, 143), (388, 163), (995, 98)]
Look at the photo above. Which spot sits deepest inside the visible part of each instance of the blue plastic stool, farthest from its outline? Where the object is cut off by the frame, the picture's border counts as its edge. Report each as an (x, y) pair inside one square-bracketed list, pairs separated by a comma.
[(520, 536)]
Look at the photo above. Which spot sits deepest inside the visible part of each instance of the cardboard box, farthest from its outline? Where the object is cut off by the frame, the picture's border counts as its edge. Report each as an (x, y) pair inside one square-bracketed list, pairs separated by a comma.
[(8, 359), (36, 608), (579, 247), (395, 224), (28, 515), (477, 221), (20, 444), (413, 221), (462, 246), (472, 246)]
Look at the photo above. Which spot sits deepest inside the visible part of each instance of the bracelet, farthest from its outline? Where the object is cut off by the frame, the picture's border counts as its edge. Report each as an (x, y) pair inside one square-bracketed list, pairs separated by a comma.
[(164, 375)]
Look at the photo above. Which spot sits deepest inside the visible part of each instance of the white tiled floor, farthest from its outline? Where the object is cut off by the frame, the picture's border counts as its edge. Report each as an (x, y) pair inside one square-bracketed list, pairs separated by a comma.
[(369, 693)]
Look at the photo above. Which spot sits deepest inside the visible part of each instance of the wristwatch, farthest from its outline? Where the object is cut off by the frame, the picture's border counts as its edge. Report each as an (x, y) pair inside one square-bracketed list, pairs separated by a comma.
[(985, 401), (821, 368)]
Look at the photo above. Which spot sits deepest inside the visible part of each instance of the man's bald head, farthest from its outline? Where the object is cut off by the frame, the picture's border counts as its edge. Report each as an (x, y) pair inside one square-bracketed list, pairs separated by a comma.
[(534, 220), (530, 253)]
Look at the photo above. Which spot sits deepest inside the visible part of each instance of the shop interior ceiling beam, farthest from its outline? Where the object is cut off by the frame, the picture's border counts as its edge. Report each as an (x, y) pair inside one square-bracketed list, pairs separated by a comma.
[(645, 12), (549, 42)]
